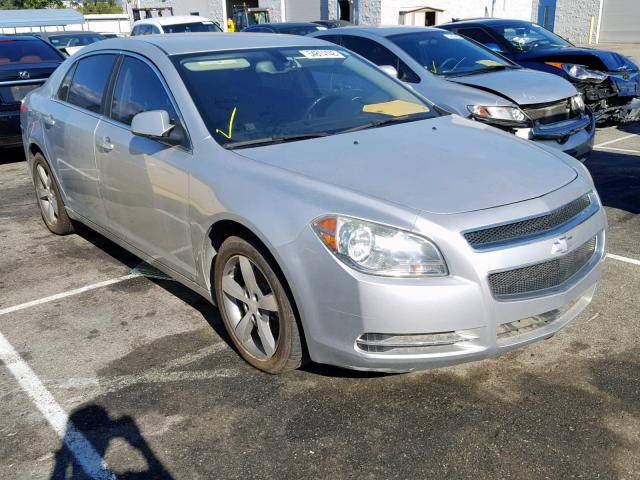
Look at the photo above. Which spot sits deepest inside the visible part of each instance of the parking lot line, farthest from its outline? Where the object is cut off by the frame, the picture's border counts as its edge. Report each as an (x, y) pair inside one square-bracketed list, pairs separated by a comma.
[(609, 142), (69, 293), (626, 150), (82, 450), (620, 258)]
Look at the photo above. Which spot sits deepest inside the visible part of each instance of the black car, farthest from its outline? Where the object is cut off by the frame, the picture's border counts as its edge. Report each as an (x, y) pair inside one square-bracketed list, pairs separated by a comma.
[(609, 82), (68, 42), (289, 28), (25, 63)]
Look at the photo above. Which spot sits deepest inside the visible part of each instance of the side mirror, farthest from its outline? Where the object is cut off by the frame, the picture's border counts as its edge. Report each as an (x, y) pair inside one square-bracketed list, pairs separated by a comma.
[(153, 124), (493, 46), (389, 70)]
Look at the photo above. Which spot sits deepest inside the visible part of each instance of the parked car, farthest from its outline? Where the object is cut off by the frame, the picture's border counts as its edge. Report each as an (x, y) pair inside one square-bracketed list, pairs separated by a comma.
[(177, 24), (609, 82), (470, 80), (70, 42), (333, 23), (288, 28), (25, 63), (323, 205)]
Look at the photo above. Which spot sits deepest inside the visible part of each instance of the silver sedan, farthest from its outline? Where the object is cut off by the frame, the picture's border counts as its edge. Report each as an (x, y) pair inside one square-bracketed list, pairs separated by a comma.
[(331, 213)]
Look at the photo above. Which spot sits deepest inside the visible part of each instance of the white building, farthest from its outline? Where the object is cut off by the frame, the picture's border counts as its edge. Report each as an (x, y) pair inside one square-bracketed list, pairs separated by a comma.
[(580, 21)]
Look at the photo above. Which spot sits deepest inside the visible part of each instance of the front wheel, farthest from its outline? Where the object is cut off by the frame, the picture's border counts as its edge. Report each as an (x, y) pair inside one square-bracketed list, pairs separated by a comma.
[(49, 199), (255, 308)]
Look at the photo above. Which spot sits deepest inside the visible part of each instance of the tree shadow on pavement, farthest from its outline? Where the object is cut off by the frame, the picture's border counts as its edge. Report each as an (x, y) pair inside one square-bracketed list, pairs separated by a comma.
[(93, 422)]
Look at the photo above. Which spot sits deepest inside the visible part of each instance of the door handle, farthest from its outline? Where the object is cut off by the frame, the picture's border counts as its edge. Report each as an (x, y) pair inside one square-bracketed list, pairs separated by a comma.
[(105, 144), (48, 120)]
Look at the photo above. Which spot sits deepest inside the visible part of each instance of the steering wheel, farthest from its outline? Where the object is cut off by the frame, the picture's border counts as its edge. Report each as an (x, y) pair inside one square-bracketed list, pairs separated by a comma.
[(322, 101), (449, 60)]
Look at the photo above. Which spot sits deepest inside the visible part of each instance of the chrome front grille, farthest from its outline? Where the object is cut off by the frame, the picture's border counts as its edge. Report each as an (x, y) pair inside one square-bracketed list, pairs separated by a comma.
[(530, 227), (535, 279)]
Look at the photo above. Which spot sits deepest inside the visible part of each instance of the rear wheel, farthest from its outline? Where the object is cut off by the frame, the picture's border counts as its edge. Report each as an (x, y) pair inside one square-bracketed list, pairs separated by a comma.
[(255, 308), (49, 199)]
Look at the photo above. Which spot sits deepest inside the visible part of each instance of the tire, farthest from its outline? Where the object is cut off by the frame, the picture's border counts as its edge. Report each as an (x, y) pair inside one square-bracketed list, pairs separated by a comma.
[(49, 200), (249, 307)]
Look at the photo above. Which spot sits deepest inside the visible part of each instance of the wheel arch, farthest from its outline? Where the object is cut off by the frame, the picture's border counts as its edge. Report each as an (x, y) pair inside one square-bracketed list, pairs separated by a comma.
[(228, 226)]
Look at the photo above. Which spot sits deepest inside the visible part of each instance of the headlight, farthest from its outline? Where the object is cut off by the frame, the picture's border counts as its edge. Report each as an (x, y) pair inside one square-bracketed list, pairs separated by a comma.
[(577, 104), (580, 72), (379, 249), (508, 116)]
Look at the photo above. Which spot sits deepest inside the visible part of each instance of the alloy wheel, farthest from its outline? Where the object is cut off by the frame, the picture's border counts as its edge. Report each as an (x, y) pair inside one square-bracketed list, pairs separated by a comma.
[(46, 195), (251, 307)]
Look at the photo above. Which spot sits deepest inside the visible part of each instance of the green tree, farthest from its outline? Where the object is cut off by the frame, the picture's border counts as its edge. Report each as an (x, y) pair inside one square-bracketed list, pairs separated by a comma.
[(104, 6), (26, 4)]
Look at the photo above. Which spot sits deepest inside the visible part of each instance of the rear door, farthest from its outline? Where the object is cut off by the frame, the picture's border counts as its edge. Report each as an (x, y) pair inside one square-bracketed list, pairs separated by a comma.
[(70, 124), (144, 183)]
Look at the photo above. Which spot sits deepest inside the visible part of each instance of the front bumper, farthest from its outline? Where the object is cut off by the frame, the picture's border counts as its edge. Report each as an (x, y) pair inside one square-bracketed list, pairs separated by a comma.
[(10, 134), (339, 305), (573, 137)]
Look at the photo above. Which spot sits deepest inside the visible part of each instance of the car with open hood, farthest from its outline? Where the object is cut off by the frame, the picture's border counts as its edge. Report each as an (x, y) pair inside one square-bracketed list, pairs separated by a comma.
[(329, 211), (608, 81), (470, 80)]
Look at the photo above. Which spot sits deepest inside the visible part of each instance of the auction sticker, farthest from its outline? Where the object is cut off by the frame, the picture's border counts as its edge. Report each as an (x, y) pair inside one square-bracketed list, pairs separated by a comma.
[(322, 54)]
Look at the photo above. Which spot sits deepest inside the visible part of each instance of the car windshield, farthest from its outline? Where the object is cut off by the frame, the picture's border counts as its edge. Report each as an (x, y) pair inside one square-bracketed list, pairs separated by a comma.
[(281, 94), (444, 53), (191, 27), (27, 51), (80, 40), (528, 37)]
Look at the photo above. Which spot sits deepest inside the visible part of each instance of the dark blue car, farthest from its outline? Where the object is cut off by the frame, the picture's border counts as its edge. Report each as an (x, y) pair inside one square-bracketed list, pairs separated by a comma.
[(25, 63), (608, 81)]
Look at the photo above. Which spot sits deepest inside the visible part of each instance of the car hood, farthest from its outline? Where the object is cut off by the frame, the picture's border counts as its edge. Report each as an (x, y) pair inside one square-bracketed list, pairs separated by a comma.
[(600, 60), (444, 165), (521, 86)]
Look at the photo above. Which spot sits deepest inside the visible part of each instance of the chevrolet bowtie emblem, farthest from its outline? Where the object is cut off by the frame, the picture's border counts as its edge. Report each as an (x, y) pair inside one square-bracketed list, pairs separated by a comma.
[(561, 245)]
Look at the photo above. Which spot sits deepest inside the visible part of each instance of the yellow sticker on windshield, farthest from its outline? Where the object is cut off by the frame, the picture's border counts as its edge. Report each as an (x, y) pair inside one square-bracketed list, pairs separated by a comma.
[(489, 63), (395, 108), (230, 134)]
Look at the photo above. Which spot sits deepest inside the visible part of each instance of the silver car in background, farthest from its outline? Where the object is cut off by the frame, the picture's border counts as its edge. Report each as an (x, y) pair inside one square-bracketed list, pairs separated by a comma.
[(330, 212), (469, 79)]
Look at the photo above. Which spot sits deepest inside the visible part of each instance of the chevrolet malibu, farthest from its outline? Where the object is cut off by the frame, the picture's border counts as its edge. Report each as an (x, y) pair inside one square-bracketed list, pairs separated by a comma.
[(331, 213)]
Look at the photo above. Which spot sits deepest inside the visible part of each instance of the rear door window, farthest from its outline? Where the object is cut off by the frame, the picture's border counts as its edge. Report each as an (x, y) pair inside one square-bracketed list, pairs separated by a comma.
[(138, 89), (17, 52), (90, 81), (380, 55)]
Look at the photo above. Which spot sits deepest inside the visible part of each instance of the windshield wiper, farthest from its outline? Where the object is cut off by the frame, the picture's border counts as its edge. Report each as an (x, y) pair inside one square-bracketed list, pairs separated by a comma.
[(385, 121), (273, 140), (488, 68)]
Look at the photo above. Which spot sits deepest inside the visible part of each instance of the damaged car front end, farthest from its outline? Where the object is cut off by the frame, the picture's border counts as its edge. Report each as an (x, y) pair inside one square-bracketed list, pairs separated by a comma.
[(608, 82)]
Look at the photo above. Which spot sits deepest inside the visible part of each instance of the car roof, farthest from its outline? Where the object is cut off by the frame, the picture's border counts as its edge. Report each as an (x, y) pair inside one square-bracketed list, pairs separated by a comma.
[(177, 20), (180, 43), (67, 32), (488, 21), (26, 36), (286, 24), (381, 31)]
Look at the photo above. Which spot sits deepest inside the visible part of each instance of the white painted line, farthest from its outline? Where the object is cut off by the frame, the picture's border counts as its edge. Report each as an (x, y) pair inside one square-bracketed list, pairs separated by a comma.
[(620, 258), (620, 149), (615, 140), (69, 293), (82, 450)]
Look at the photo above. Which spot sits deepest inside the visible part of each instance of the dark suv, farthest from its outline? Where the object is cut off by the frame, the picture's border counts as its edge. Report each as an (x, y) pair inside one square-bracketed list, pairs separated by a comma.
[(25, 63)]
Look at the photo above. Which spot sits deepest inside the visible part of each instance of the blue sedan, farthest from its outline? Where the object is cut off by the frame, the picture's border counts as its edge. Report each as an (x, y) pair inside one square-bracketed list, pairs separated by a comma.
[(608, 81)]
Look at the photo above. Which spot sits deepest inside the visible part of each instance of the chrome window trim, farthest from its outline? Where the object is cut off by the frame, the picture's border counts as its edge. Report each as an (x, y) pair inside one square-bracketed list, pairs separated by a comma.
[(580, 218), (16, 82)]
